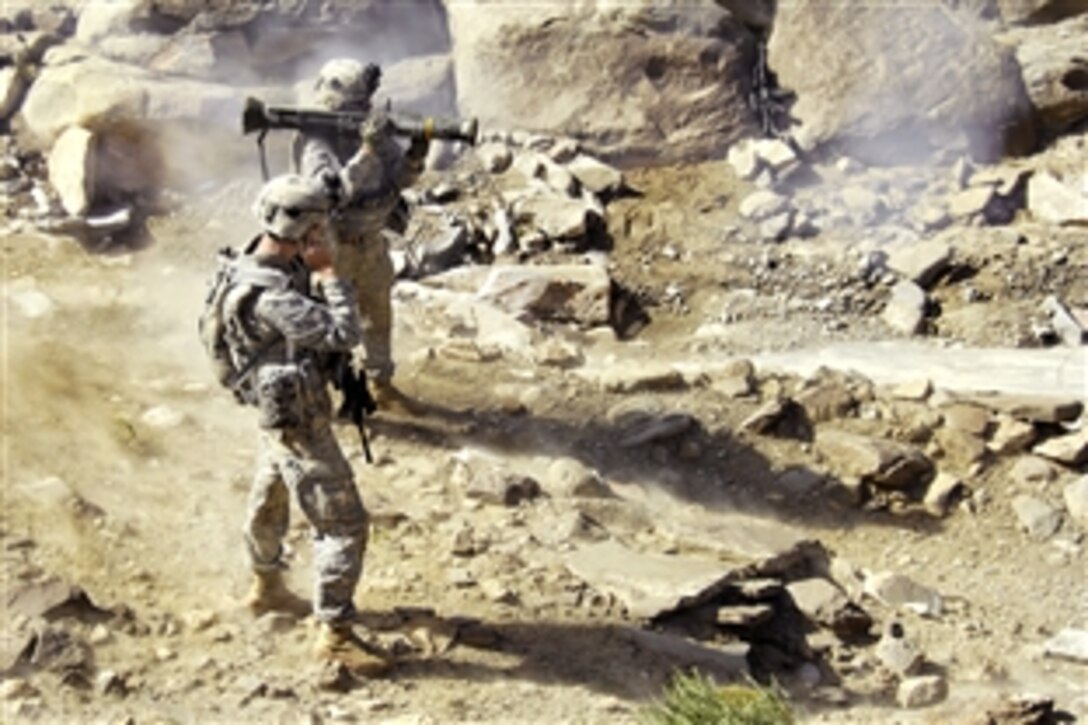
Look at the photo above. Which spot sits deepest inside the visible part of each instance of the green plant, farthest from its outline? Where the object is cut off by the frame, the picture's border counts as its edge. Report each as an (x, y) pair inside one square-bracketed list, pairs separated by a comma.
[(694, 699)]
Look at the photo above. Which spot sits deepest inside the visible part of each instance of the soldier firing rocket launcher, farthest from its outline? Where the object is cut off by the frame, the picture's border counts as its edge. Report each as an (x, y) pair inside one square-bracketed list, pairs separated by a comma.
[(257, 117)]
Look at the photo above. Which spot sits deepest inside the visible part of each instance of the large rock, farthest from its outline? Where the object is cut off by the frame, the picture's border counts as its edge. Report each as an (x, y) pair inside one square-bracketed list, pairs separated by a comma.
[(71, 170), (557, 217), (152, 130), (637, 81), (579, 293), (1070, 449), (921, 262), (419, 85), (1058, 201), (898, 80), (882, 463), (1053, 62), (649, 584), (906, 308), (99, 94)]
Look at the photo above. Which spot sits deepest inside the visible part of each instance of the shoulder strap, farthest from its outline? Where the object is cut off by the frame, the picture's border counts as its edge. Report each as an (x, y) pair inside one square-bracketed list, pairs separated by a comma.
[(260, 278), (263, 277)]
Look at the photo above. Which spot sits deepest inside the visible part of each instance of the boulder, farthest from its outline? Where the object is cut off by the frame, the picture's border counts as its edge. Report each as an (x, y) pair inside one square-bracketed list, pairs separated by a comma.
[(1011, 436), (736, 380), (595, 175), (1070, 449), (922, 262), (826, 400), (72, 170), (824, 603), (99, 94), (942, 492), (421, 85), (882, 463), (967, 418), (921, 691), (1032, 408), (1058, 201), (579, 293), (1053, 63), (906, 308), (558, 217), (675, 87), (896, 81)]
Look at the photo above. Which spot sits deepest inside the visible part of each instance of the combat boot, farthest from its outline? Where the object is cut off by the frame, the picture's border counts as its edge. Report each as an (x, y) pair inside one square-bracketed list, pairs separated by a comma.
[(338, 644), (269, 593)]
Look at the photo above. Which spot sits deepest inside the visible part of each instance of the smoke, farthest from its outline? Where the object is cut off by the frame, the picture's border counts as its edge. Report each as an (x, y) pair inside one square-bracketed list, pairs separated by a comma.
[(896, 82)]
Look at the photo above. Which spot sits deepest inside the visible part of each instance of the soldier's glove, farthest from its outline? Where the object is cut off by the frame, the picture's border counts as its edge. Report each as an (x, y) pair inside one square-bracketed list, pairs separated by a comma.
[(376, 128), (417, 150), (334, 186)]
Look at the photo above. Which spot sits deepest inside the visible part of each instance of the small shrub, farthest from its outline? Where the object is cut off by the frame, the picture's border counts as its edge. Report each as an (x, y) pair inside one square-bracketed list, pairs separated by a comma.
[(696, 700)]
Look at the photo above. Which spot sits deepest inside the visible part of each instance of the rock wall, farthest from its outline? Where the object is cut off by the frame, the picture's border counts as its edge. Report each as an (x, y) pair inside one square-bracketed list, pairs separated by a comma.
[(897, 81), (638, 82)]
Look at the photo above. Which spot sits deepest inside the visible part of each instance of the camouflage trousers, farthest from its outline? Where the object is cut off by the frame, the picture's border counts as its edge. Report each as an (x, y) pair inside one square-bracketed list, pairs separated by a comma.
[(307, 463), (365, 262)]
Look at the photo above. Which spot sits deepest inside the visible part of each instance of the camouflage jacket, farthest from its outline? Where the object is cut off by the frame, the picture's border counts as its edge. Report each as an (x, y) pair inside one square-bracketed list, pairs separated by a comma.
[(290, 326), (372, 182)]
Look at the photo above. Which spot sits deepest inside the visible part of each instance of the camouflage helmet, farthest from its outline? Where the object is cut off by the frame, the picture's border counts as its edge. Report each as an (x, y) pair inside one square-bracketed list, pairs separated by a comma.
[(346, 84), (289, 205)]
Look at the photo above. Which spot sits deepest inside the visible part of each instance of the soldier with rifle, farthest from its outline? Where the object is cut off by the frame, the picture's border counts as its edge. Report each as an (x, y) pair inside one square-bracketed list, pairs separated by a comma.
[(365, 173), (277, 319)]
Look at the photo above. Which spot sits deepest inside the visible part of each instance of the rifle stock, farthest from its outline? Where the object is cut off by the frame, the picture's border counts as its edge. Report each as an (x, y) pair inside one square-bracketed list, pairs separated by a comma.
[(258, 117)]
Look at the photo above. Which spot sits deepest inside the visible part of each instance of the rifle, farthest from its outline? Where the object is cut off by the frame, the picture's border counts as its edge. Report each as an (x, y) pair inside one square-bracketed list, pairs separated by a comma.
[(256, 116), (358, 403)]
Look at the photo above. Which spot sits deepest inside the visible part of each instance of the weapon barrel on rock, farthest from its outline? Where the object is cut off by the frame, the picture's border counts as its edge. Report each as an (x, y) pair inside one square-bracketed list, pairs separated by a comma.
[(257, 117)]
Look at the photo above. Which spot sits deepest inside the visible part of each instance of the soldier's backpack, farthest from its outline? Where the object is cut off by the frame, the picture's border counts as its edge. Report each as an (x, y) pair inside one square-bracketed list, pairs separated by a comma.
[(216, 319)]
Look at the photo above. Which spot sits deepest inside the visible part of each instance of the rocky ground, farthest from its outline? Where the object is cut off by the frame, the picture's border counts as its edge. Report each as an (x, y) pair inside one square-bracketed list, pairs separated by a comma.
[(788, 414), (578, 515)]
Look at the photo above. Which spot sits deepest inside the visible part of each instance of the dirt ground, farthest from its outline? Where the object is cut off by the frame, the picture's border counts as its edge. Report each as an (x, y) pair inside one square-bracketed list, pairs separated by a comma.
[(126, 471)]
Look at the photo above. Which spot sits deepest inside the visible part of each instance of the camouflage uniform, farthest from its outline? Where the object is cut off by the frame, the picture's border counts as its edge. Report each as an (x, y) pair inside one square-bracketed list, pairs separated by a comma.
[(360, 228), (291, 329)]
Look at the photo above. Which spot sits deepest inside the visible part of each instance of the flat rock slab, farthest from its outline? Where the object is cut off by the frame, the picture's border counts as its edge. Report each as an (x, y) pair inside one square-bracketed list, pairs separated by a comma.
[(765, 547), (1054, 373), (1034, 408), (648, 584), (651, 584)]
